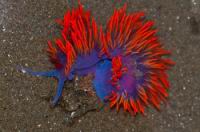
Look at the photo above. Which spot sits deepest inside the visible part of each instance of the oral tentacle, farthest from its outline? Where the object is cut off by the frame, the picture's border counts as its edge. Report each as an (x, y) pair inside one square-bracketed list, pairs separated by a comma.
[(51, 73), (59, 90)]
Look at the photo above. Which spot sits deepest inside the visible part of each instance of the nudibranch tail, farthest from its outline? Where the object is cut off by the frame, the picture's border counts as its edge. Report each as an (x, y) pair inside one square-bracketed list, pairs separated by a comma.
[(136, 77)]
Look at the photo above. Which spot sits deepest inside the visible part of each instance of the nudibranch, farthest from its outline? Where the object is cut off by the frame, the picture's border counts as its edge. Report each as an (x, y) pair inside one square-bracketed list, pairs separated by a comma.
[(126, 59)]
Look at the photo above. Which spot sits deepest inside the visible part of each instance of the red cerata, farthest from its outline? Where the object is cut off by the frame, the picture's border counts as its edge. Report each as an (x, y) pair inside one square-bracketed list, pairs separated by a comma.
[(127, 60)]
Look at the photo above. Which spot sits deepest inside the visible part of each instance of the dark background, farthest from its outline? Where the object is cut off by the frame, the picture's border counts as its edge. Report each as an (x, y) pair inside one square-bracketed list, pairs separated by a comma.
[(25, 27)]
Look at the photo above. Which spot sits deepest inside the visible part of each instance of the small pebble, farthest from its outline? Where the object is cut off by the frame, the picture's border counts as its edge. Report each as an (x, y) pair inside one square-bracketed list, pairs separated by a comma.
[(72, 114), (23, 71), (170, 28), (39, 125)]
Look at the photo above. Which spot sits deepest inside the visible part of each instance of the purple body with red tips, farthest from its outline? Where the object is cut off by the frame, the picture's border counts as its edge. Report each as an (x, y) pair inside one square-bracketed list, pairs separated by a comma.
[(126, 59)]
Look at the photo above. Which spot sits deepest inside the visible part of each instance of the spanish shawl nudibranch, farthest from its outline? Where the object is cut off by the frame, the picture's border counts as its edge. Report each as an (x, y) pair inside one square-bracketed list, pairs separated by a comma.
[(125, 59)]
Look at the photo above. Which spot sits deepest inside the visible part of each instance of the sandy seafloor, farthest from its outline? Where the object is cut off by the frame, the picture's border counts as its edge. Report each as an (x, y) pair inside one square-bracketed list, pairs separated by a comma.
[(25, 27)]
